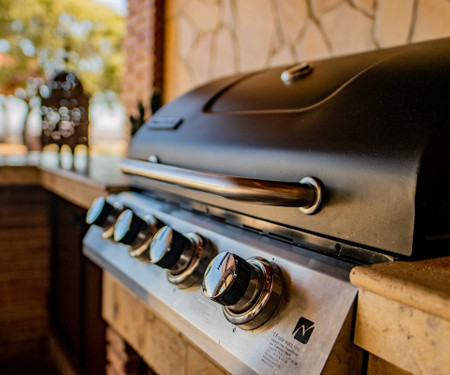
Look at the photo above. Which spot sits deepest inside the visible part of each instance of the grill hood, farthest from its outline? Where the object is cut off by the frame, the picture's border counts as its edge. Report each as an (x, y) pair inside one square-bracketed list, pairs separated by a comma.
[(374, 128)]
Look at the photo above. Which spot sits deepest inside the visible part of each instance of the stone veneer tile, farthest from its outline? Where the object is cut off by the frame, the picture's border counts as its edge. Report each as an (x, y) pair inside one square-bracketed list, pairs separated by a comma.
[(348, 30), (185, 79), (282, 57), (200, 58), (433, 20), (163, 348), (224, 61), (377, 366), (293, 15), (172, 61), (198, 364), (174, 8), (252, 34), (185, 38), (255, 32), (319, 7), (312, 45), (228, 14), (393, 22), (123, 310), (366, 5), (409, 338), (205, 14)]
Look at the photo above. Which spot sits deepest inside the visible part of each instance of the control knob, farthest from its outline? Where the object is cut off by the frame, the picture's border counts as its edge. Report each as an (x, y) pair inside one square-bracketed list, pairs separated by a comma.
[(103, 214), (184, 257), (249, 290), (136, 232)]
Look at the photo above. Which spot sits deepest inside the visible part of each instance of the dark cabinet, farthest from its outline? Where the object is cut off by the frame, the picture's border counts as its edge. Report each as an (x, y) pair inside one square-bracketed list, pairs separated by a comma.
[(75, 292)]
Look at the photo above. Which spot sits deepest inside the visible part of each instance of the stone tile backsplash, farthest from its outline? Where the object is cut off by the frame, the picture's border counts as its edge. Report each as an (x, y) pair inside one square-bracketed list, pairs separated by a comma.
[(208, 39)]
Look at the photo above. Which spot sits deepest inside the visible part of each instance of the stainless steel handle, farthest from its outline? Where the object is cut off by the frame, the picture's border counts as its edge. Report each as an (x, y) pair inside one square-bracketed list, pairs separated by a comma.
[(306, 195)]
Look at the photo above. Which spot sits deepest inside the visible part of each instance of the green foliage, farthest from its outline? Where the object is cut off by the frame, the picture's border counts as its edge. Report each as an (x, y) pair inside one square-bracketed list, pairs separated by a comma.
[(137, 121), (155, 103), (45, 36)]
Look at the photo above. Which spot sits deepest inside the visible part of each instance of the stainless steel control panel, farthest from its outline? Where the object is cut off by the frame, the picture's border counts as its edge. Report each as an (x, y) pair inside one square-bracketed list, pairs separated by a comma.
[(299, 330)]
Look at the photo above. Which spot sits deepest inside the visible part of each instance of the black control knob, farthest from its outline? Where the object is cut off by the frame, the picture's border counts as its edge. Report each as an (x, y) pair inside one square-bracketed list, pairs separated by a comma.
[(130, 229), (171, 250), (227, 278), (102, 213), (249, 290)]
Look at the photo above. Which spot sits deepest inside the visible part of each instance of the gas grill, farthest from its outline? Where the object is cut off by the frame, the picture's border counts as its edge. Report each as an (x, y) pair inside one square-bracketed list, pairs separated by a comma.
[(253, 197)]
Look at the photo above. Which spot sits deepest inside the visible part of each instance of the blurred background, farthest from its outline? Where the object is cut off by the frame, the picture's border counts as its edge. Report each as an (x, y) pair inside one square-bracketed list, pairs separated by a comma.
[(40, 39), (124, 52)]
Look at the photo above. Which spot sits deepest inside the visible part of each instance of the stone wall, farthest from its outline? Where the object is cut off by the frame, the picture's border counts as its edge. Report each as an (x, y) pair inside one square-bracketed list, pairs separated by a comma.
[(207, 39), (164, 349)]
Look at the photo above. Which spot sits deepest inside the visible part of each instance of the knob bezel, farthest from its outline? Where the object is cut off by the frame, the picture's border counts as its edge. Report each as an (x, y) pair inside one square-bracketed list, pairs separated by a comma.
[(203, 252), (267, 302), (141, 251)]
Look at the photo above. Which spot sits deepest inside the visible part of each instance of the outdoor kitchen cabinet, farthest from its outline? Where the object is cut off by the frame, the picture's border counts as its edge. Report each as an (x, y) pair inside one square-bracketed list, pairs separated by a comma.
[(50, 293), (75, 291)]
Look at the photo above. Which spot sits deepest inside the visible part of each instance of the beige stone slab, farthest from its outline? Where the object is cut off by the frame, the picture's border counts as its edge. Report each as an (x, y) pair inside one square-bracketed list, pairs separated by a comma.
[(205, 15), (409, 338), (313, 44), (200, 58), (80, 191), (433, 20), (346, 358), (163, 347), (366, 5), (199, 364), (378, 366), (255, 32), (393, 22), (80, 188), (424, 285), (224, 60), (123, 311), (320, 7), (348, 36), (293, 16)]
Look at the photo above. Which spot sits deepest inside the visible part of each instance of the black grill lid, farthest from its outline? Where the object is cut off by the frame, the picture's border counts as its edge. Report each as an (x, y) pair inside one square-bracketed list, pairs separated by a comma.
[(373, 127)]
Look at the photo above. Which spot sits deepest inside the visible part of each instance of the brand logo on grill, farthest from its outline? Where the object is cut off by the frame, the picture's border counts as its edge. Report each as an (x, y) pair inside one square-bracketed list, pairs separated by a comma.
[(303, 330)]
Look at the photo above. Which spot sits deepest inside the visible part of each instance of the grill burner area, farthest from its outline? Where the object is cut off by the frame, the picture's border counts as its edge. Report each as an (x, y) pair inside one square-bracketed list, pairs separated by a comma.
[(289, 324)]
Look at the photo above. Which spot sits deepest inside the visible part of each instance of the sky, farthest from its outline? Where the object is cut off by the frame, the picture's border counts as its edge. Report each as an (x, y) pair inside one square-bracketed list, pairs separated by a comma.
[(119, 5)]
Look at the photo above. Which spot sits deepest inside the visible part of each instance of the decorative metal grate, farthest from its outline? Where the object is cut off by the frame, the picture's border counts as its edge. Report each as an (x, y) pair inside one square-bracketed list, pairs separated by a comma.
[(65, 112)]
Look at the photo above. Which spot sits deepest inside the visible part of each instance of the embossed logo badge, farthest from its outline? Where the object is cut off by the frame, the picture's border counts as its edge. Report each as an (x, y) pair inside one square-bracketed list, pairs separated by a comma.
[(303, 330)]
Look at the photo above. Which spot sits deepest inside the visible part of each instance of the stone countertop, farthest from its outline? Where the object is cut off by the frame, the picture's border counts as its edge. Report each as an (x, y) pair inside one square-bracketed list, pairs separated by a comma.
[(403, 314), (79, 180), (424, 285)]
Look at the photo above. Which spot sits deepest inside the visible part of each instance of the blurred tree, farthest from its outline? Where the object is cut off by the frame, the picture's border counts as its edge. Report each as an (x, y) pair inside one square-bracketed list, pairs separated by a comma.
[(41, 37)]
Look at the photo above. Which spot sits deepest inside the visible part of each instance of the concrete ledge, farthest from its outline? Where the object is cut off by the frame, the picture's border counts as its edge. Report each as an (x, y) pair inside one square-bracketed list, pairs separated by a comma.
[(161, 346), (19, 175), (403, 314), (101, 177), (424, 285)]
